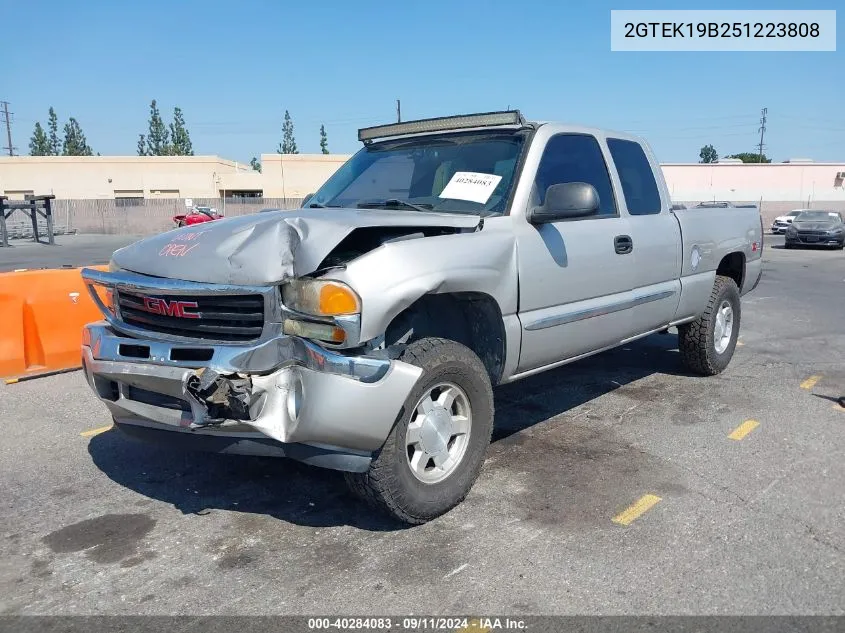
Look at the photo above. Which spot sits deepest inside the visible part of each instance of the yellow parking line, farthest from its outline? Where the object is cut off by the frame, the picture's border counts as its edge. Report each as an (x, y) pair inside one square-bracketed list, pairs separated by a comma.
[(744, 429), (740, 344), (838, 407), (93, 432), (637, 509), (810, 382)]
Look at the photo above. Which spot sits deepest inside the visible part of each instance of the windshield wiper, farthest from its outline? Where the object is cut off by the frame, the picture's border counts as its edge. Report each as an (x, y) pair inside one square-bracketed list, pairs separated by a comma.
[(395, 203)]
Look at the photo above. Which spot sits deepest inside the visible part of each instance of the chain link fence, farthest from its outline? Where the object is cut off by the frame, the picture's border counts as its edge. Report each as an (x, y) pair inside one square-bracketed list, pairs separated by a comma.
[(137, 216)]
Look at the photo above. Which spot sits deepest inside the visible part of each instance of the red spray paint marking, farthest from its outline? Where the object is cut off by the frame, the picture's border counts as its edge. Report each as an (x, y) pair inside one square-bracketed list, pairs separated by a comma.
[(176, 250)]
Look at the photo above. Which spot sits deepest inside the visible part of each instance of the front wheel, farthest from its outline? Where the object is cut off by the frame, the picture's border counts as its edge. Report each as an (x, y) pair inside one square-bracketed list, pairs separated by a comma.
[(708, 343), (435, 451)]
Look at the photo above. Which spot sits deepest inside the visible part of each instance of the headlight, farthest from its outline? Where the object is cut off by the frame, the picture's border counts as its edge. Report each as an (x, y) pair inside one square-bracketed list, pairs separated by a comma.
[(791, 230), (320, 298), (838, 231)]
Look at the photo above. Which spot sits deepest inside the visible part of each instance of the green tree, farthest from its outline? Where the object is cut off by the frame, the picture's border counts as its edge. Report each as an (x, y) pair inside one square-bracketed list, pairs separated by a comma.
[(75, 143), (255, 164), (158, 139), (324, 143), (53, 128), (39, 144), (708, 154), (750, 157), (288, 144), (180, 139), (142, 145)]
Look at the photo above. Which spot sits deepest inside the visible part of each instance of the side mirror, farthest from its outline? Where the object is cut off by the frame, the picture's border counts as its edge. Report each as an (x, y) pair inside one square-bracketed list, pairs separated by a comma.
[(565, 201), (305, 200)]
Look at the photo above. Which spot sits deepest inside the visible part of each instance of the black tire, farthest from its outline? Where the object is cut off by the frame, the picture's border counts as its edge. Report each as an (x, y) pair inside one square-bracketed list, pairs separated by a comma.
[(787, 245), (696, 340), (390, 485)]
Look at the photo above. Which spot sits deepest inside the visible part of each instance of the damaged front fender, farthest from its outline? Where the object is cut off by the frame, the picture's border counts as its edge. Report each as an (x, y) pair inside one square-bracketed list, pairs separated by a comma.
[(393, 277)]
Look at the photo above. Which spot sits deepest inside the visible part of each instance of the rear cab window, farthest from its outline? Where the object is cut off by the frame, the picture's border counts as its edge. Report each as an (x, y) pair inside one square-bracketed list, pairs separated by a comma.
[(639, 187)]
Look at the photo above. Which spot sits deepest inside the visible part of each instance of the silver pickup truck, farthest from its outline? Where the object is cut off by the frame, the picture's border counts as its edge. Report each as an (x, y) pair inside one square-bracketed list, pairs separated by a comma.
[(364, 332)]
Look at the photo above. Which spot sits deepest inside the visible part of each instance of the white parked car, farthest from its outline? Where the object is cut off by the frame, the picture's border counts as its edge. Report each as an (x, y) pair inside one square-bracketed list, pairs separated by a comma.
[(782, 222)]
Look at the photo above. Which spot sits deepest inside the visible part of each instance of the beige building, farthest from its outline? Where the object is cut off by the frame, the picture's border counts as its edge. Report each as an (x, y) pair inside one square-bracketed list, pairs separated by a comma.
[(172, 182), (150, 177)]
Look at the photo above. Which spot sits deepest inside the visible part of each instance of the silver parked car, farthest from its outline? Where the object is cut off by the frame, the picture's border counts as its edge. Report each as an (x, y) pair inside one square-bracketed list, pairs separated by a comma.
[(366, 332)]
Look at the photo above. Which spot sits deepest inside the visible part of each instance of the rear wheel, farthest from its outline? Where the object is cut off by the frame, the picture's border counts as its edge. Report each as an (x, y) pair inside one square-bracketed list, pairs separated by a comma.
[(435, 451), (708, 343)]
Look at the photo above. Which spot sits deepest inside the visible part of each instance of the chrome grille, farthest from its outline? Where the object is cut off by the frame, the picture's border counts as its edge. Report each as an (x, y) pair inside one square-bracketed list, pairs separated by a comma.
[(208, 317)]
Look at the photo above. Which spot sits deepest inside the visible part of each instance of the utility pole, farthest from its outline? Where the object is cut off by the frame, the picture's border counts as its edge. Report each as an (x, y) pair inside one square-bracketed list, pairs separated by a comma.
[(762, 130), (7, 115), (398, 111)]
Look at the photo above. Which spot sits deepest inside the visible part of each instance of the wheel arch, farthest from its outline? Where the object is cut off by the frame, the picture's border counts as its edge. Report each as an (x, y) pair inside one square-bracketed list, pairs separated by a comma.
[(732, 266), (473, 319)]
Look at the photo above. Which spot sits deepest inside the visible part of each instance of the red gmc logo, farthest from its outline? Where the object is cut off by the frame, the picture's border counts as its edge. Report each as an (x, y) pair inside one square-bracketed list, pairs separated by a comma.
[(171, 308)]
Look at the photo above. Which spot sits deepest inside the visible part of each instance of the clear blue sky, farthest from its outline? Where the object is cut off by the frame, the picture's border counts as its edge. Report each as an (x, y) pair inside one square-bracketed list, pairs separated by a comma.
[(234, 67)]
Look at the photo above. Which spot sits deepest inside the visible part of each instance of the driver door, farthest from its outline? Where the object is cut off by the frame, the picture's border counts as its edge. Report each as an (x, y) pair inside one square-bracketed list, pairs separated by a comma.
[(575, 276)]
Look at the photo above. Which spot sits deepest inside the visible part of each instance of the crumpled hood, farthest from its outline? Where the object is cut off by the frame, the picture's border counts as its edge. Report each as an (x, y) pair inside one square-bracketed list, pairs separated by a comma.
[(265, 248), (815, 226)]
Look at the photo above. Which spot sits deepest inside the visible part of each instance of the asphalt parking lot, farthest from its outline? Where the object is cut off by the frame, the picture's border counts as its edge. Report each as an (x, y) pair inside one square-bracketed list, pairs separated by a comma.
[(616, 485), (69, 250)]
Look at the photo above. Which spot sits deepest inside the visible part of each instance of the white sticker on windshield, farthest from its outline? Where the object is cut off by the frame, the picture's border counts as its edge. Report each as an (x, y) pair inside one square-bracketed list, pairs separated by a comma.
[(470, 185), (833, 215)]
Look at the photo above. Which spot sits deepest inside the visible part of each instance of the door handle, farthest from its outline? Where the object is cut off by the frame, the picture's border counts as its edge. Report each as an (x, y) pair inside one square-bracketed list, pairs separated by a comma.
[(623, 244)]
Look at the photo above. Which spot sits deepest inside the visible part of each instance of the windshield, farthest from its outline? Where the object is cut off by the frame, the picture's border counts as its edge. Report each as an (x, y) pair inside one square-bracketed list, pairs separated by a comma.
[(819, 216), (469, 172)]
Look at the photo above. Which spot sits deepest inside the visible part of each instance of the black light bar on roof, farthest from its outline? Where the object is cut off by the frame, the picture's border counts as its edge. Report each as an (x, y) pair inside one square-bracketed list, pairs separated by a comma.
[(440, 124)]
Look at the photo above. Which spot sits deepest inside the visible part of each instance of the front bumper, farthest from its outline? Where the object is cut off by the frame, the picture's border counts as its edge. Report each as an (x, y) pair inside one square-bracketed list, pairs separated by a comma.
[(298, 392), (816, 240)]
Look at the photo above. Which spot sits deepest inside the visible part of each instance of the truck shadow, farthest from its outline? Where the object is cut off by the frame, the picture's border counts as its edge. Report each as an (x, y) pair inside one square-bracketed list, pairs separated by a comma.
[(199, 483)]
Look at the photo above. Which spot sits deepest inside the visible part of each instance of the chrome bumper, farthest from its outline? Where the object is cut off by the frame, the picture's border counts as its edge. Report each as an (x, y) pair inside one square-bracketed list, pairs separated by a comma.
[(301, 392)]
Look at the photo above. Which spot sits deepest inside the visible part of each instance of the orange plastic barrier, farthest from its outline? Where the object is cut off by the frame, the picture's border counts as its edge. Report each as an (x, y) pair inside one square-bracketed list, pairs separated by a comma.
[(42, 313)]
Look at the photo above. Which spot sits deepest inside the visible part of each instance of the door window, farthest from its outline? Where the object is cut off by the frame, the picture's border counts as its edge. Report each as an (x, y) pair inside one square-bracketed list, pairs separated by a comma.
[(575, 158)]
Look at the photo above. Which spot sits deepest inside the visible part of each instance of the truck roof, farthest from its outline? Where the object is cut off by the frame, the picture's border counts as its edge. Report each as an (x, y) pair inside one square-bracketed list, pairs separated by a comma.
[(505, 119)]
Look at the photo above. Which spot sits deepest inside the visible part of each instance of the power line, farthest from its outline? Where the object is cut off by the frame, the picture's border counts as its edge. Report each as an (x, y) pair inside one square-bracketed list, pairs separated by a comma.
[(762, 130), (8, 118)]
